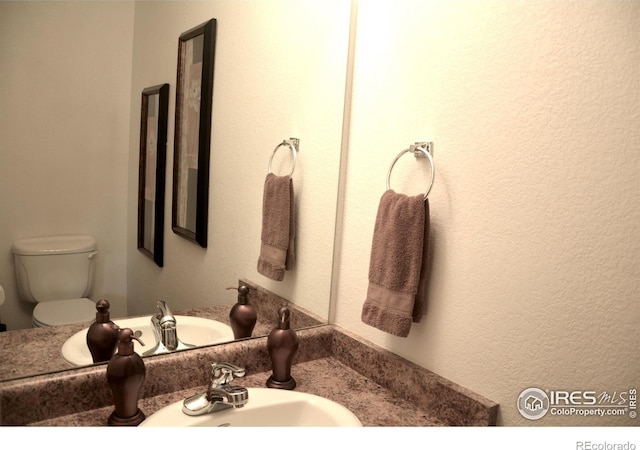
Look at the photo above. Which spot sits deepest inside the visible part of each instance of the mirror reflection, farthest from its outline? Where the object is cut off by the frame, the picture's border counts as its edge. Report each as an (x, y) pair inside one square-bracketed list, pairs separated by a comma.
[(51, 349), (72, 110)]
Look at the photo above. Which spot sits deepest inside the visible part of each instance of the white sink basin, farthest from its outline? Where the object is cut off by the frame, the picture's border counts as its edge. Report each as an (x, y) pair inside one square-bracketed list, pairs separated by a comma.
[(191, 330), (265, 408)]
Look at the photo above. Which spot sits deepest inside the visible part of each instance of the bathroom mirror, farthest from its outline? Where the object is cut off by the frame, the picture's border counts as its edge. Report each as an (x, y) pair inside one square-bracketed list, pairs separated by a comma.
[(280, 71)]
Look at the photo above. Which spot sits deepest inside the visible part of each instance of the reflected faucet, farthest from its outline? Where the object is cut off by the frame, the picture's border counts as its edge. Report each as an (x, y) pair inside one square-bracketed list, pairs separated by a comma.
[(165, 331), (221, 394)]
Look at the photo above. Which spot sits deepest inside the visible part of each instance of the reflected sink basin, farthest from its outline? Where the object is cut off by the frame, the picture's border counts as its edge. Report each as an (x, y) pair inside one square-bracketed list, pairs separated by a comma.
[(265, 408), (191, 330)]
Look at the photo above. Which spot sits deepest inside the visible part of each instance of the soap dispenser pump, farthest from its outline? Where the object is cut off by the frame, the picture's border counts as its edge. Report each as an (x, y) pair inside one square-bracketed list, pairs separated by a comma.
[(282, 344), (242, 316), (102, 336), (125, 374)]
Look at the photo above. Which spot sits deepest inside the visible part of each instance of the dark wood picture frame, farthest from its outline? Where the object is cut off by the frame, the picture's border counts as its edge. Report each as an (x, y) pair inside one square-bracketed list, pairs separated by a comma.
[(192, 140), (152, 171)]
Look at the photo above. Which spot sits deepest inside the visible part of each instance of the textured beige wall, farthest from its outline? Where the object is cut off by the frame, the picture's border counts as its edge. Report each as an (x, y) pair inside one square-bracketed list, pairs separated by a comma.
[(534, 111), (65, 78)]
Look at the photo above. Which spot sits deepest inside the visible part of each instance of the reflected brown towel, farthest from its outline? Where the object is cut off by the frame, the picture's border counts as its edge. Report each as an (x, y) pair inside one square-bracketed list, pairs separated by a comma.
[(278, 228), (399, 264)]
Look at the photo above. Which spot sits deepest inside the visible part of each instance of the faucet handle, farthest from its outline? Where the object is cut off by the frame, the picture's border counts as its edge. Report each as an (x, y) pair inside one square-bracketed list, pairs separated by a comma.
[(165, 317), (224, 373)]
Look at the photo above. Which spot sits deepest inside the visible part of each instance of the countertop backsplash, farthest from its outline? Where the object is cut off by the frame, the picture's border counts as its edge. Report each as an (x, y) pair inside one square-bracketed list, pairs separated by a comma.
[(381, 388)]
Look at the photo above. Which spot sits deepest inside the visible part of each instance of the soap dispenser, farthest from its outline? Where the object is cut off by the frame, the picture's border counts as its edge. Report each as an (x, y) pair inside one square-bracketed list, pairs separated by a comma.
[(282, 344), (125, 374), (102, 336), (242, 316)]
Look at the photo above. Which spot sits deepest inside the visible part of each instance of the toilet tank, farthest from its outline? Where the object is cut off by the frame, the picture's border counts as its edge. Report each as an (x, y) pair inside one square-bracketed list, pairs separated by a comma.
[(54, 267)]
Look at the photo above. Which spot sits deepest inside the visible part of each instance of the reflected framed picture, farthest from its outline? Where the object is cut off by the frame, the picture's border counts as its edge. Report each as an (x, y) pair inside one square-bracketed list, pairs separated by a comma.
[(152, 171), (192, 140)]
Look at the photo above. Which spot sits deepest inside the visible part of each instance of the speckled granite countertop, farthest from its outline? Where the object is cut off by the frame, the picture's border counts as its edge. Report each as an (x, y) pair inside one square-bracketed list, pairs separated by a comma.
[(381, 388), (328, 377)]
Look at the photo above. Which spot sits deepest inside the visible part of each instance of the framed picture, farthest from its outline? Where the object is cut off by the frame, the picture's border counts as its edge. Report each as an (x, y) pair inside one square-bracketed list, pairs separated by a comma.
[(194, 94), (152, 170)]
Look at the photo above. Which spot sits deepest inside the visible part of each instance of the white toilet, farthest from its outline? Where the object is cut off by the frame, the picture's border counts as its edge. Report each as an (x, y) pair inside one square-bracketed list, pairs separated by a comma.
[(56, 273)]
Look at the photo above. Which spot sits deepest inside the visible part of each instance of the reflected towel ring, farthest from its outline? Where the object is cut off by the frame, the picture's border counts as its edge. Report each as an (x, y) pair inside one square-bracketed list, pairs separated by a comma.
[(423, 149), (293, 144)]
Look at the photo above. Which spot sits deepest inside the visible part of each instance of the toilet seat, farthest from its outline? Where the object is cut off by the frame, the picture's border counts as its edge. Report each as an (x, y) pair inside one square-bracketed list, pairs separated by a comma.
[(64, 312)]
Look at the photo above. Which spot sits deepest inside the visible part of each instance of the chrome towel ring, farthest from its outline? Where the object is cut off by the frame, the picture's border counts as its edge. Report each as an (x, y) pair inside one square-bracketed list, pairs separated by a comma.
[(294, 145), (422, 150)]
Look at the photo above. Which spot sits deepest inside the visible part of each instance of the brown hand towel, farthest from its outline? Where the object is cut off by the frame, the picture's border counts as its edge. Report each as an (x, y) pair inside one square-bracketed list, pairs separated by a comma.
[(399, 264), (278, 228)]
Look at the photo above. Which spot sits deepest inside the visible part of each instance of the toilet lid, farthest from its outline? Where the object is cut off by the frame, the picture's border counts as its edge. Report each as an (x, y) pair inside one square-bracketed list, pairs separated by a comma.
[(64, 312)]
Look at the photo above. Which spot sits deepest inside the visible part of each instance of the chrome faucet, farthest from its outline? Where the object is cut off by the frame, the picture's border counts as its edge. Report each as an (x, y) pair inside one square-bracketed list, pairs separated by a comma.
[(221, 394), (165, 331)]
